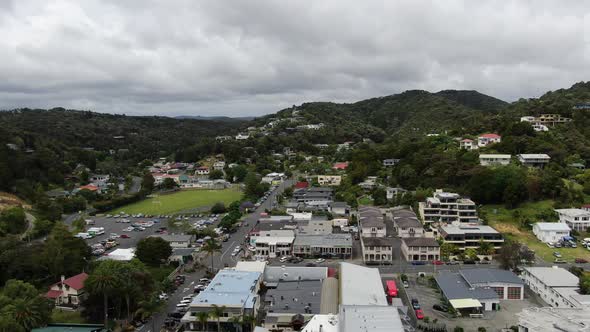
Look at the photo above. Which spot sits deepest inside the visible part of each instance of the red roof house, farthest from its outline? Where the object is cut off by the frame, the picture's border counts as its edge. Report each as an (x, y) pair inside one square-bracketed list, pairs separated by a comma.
[(341, 166), (68, 292), (301, 185), (90, 187)]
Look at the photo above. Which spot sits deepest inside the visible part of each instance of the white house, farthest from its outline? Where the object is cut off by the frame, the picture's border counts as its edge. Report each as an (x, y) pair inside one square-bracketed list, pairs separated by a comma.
[(494, 159), (551, 232), (487, 139), (242, 136), (219, 165), (390, 162), (68, 292), (576, 219), (467, 144), (202, 170), (534, 160), (274, 246), (329, 180)]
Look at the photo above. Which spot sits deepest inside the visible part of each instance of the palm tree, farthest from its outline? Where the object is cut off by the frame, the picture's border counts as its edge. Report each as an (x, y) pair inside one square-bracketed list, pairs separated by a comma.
[(203, 317), (237, 321), (485, 248), (148, 307), (129, 288), (217, 313), (103, 281), (29, 312), (211, 247), (250, 320)]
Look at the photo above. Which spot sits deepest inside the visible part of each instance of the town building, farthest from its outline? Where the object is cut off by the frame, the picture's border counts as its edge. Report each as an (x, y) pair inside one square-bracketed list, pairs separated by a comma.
[(407, 224), (371, 222), (360, 285), (314, 194), (274, 246), (329, 180), (470, 236), (273, 178), (556, 286), (242, 136), (219, 165), (68, 292), (235, 291), (576, 219), (377, 250), (487, 139), (551, 232), (467, 144), (538, 160), (393, 192), (478, 290), (328, 245), (494, 159), (446, 207), (177, 240), (341, 166), (202, 170), (420, 249), (339, 209), (312, 226)]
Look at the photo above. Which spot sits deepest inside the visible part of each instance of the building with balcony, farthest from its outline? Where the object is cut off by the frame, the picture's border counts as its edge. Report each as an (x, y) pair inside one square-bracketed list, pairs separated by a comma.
[(235, 291), (469, 236), (538, 160), (371, 222), (377, 250), (329, 180), (467, 144), (274, 246), (420, 249), (329, 245), (407, 224), (446, 208), (494, 159), (576, 219)]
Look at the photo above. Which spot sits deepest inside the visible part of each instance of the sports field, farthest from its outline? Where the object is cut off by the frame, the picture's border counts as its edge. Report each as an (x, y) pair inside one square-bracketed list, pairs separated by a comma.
[(180, 201)]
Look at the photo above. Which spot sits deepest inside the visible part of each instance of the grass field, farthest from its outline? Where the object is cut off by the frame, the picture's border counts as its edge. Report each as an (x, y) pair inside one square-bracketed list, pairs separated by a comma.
[(180, 201), (62, 316), (503, 220)]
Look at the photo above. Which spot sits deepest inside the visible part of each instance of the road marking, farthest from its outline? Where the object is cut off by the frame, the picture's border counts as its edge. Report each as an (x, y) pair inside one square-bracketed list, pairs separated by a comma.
[(226, 250)]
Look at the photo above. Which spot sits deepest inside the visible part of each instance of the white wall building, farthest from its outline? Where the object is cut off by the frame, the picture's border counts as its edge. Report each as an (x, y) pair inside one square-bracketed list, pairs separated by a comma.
[(551, 232), (274, 246), (445, 207), (534, 160), (467, 144), (494, 159), (576, 219), (556, 286), (329, 180)]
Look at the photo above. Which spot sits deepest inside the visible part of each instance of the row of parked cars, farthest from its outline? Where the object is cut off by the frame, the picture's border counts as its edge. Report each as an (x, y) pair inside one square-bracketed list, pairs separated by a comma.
[(266, 195)]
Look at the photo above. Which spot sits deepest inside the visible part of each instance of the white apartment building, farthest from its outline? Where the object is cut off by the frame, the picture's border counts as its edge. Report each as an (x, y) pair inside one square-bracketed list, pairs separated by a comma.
[(420, 249), (274, 246), (329, 180), (551, 232), (576, 219), (534, 160), (556, 286), (445, 207), (219, 165), (494, 159)]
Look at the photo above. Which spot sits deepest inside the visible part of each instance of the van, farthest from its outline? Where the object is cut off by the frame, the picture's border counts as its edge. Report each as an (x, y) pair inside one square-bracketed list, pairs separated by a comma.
[(89, 222), (83, 236)]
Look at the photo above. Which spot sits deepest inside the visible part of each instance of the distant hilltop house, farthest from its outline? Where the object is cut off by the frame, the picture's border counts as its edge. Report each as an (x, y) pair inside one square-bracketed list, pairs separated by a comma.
[(544, 121), (219, 165), (487, 139), (317, 126), (223, 138), (242, 136), (584, 106), (390, 162)]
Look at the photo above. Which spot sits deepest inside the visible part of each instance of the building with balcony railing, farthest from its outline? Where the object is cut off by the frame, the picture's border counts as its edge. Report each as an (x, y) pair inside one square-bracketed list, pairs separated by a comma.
[(446, 208), (470, 236)]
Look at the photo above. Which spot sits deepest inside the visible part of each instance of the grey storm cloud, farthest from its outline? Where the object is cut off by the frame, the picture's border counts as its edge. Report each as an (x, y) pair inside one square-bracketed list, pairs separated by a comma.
[(239, 58)]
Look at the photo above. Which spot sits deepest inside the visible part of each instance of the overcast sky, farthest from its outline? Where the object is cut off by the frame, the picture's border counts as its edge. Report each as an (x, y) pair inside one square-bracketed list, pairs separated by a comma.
[(242, 58)]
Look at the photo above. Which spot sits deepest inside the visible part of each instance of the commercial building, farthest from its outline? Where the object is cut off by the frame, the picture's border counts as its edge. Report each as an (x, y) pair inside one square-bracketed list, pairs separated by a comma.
[(576, 219), (556, 286), (446, 207), (274, 246), (377, 250), (420, 249), (538, 160), (478, 290), (314, 227), (313, 194), (406, 223), (329, 180), (329, 245), (494, 159), (176, 240), (551, 232), (549, 319), (235, 291), (470, 236), (360, 285)]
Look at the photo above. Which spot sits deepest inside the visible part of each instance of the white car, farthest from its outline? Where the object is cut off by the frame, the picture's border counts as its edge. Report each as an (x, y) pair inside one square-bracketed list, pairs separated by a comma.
[(186, 301), (128, 229), (320, 260), (182, 305)]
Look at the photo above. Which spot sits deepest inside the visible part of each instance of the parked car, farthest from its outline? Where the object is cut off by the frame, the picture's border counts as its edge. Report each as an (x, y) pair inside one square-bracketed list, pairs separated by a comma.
[(176, 314), (581, 260), (182, 305), (559, 261), (405, 283), (436, 262), (125, 236), (419, 314), (469, 262), (415, 304), (418, 263), (557, 254), (452, 263), (440, 307), (320, 260)]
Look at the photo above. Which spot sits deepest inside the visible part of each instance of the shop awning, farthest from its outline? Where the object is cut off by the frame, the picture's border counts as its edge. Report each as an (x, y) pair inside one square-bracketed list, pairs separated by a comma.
[(465, 303)]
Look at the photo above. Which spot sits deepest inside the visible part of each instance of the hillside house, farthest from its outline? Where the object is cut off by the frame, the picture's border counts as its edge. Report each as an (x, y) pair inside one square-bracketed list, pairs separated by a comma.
[(494, 159), (390, 162), (68, 292), (467, 144), (534, 160), (202, 170), (487, 139), (576, 219)]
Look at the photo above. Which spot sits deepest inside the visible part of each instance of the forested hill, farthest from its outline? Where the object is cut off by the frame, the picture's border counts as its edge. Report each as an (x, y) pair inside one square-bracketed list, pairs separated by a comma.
[(411, 112)]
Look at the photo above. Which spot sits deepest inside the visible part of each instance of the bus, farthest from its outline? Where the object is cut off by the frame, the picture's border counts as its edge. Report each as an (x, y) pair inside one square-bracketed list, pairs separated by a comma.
[(391, 288)]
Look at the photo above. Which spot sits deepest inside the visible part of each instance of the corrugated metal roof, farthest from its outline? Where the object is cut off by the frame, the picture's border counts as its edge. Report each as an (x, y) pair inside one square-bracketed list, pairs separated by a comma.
[(329, 300)]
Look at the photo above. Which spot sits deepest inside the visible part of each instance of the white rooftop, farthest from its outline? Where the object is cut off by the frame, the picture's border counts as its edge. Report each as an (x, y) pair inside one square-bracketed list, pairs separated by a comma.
[(251, 266), (573, 212), (500, 156), (363, 318), (322, 323), (273, 240), (553, 226), (120, 255), (361, 285), (553, 276), (534, 156)]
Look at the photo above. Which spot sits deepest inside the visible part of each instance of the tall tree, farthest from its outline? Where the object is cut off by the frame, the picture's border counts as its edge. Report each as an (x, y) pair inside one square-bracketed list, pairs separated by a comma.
[(105, 281), (217, 312), (149, 307), (63, 253), (153, 250), (202, 318), (210, 247)]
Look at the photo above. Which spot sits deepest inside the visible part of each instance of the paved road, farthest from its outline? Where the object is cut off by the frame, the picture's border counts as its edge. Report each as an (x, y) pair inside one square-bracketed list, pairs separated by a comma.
[(221, 259)]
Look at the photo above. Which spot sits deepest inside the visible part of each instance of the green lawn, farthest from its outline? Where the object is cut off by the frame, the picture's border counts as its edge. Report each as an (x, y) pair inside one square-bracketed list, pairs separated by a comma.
[(180, 201), (62, 316), (365, 200), (503, 220)]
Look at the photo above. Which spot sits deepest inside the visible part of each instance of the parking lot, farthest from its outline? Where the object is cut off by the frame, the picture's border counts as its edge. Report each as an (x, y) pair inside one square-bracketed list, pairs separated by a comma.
[(421, 289)]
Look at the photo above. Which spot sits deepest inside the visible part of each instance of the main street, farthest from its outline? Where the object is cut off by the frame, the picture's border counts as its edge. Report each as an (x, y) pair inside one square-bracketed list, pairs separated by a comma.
[(220, 260)]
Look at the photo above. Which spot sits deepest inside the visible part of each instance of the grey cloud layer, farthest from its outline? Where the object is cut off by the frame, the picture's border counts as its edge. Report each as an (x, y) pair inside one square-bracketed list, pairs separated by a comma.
[(254, 57)]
